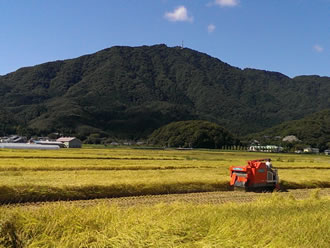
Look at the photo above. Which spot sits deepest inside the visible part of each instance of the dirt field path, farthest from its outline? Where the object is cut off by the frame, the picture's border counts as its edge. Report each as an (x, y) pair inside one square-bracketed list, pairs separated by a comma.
[(219, 197)]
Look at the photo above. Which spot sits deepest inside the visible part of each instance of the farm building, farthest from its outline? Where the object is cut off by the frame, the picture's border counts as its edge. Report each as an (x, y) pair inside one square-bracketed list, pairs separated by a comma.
[(70, 142), (312, 150), (327, 152), (27, 146)]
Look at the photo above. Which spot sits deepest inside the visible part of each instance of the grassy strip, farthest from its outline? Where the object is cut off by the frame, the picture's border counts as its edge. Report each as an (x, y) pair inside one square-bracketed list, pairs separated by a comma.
[(303, 177), (90, 154), (100, 168), (271, 222), (110, 177), (39, 193), (110, 168), (80, 164), (211, 155), (131, 167), (94, 159), (99, 158), (304, 185), (304, 168)]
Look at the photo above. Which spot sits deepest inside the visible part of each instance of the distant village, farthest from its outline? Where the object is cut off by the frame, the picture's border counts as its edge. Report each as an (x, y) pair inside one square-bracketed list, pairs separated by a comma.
[(46, 143), (256, 147), (276, 149), (43, 143)]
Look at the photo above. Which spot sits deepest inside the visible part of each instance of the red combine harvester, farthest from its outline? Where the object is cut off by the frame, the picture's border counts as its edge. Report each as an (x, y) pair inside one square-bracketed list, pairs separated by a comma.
[(257, 175)]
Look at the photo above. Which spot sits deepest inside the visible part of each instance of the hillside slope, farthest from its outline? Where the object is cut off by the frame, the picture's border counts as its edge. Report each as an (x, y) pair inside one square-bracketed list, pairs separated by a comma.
[(130, 91), (313, 130)]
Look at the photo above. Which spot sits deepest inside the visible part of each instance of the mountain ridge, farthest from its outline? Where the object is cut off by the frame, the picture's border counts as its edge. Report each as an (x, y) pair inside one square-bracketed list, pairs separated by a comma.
[(130, 91)]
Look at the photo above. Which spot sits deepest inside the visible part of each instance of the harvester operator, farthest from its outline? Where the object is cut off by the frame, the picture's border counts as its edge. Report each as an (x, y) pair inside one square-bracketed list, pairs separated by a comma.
[(269, 164)]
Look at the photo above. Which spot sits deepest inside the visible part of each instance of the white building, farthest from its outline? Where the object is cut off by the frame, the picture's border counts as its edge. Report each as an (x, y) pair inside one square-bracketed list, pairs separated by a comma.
[(13, 139), (267, 148), (48, 142), (311, 150), (27, 146)]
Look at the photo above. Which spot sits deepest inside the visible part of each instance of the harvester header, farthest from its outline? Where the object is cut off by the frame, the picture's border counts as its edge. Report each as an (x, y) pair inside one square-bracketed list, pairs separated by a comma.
[(256, 175)]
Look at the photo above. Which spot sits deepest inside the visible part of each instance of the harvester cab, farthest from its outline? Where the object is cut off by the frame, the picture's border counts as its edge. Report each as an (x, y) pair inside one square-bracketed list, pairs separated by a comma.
[(257, 175)]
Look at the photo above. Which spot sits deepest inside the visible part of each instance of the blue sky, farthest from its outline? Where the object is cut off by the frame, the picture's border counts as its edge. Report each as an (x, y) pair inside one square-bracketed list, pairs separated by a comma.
[(288, 36)]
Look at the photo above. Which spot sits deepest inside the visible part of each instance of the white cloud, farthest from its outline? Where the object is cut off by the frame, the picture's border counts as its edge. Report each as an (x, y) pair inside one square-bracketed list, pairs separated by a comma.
[(226, 3), (180, 14), (211, 28), (318, 48)]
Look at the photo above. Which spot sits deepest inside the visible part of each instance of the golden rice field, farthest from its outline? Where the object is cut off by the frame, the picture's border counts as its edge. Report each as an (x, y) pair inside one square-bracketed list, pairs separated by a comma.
[(71, 174), (272, 221), (215, 218)]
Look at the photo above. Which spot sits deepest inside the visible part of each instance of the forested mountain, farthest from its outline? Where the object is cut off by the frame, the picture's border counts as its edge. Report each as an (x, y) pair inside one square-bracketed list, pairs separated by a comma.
[(312, 130), (128, 92)]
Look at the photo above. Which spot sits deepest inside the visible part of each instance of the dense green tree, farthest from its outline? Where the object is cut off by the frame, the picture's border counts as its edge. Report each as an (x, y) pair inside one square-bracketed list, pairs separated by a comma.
[(313, 130), (8, 123), (192, 134)]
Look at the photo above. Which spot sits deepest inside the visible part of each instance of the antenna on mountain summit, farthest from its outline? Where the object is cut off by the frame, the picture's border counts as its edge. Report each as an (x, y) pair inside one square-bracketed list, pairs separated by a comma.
[(182, 45)]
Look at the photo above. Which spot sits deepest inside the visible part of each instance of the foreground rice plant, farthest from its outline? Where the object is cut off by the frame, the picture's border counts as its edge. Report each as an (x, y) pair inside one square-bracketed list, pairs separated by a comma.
[(271, 222)]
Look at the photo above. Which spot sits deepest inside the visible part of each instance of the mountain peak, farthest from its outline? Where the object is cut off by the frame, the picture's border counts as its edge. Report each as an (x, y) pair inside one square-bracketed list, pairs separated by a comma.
[(130, 91)]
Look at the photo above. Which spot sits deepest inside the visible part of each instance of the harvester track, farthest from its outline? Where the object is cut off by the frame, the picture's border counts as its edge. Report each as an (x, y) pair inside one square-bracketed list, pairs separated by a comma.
[(218, 197)]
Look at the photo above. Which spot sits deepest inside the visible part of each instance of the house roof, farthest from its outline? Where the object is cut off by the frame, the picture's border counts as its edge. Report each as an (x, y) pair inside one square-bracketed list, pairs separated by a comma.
[(48, 142), (66, 139), (28, 146)]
